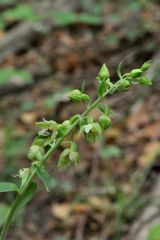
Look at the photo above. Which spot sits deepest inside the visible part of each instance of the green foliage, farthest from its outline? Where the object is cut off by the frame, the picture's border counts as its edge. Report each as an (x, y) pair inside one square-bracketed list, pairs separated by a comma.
[(14, 146), (53, 134), (66, 18), (20, 12), (8, 73), (77, 96), (154, 233), (23, 199), (110, 151), (4, 210), (8, 187), (45, 177), (7, 1)]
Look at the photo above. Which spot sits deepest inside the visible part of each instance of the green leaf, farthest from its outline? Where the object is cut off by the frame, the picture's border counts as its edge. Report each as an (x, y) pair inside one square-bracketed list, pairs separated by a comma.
[(8, 187), (119, 70), (83, 87), (45, 177), (25, 198), (89, 19), (4, 210), (154, 233), (64, 160), (102, 88), (110, 151), (21, 12), (62, 18), (104, 109), (8, 1), (9, 73)]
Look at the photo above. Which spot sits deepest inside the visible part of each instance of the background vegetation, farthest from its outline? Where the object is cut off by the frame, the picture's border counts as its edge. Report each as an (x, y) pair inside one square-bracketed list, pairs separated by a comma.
[(48, 48)]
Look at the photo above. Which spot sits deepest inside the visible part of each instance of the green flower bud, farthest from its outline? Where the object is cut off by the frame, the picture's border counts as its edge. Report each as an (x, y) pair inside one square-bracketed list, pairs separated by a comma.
[(68, 157), (104, 121), (92, 131), (76, 95), (146, 65), (86, 98), (24, 175), (35, 153), (135, 73), (145, 81), (63, 127), (66, 123), (124, 84), (91, 138), (74, 157), (51, 125), (103, 73)]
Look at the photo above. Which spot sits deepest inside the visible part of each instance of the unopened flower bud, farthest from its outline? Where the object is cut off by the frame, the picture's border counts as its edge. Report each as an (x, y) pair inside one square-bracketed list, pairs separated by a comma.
[(35, 153), (104, 121), (145, 81), (146, 65), (103, 73), (85, 98), (135, 73), (124, 84), (76, 95)]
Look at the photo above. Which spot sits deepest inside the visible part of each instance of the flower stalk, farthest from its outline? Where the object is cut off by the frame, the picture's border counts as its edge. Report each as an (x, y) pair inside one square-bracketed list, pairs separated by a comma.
[(52, 135)]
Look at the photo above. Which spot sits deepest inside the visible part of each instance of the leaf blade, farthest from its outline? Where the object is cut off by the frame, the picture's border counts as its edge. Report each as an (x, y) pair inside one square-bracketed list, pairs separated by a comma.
[(45, 177), (8, 187), (27, 196)]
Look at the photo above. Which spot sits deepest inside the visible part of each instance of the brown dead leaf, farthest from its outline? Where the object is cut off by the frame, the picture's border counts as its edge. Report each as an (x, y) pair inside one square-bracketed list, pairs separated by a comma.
[(151, 151), (100, 204), (62, 210), (139, 117), (28, 117), (80, 208), (152, 131)]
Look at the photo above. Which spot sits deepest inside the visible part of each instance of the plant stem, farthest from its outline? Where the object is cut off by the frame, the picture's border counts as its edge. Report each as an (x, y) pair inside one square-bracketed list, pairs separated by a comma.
[(46, 156), (14, 207)]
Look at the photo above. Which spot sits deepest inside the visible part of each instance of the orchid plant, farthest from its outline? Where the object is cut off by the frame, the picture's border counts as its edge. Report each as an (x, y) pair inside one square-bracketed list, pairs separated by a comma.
[(52, 135)]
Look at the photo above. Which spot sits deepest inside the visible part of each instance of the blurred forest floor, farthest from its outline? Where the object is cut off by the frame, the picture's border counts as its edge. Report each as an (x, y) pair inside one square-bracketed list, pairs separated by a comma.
[(48, 48)]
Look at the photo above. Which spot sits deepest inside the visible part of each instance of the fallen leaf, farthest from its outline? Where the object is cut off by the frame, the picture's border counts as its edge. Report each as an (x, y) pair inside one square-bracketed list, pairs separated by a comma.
[(28, 117), (151, 151), (62, 210)]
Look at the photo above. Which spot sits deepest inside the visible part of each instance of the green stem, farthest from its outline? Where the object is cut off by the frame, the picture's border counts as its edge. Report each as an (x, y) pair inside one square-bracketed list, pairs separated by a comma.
[(14, 207), (51, 150)]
